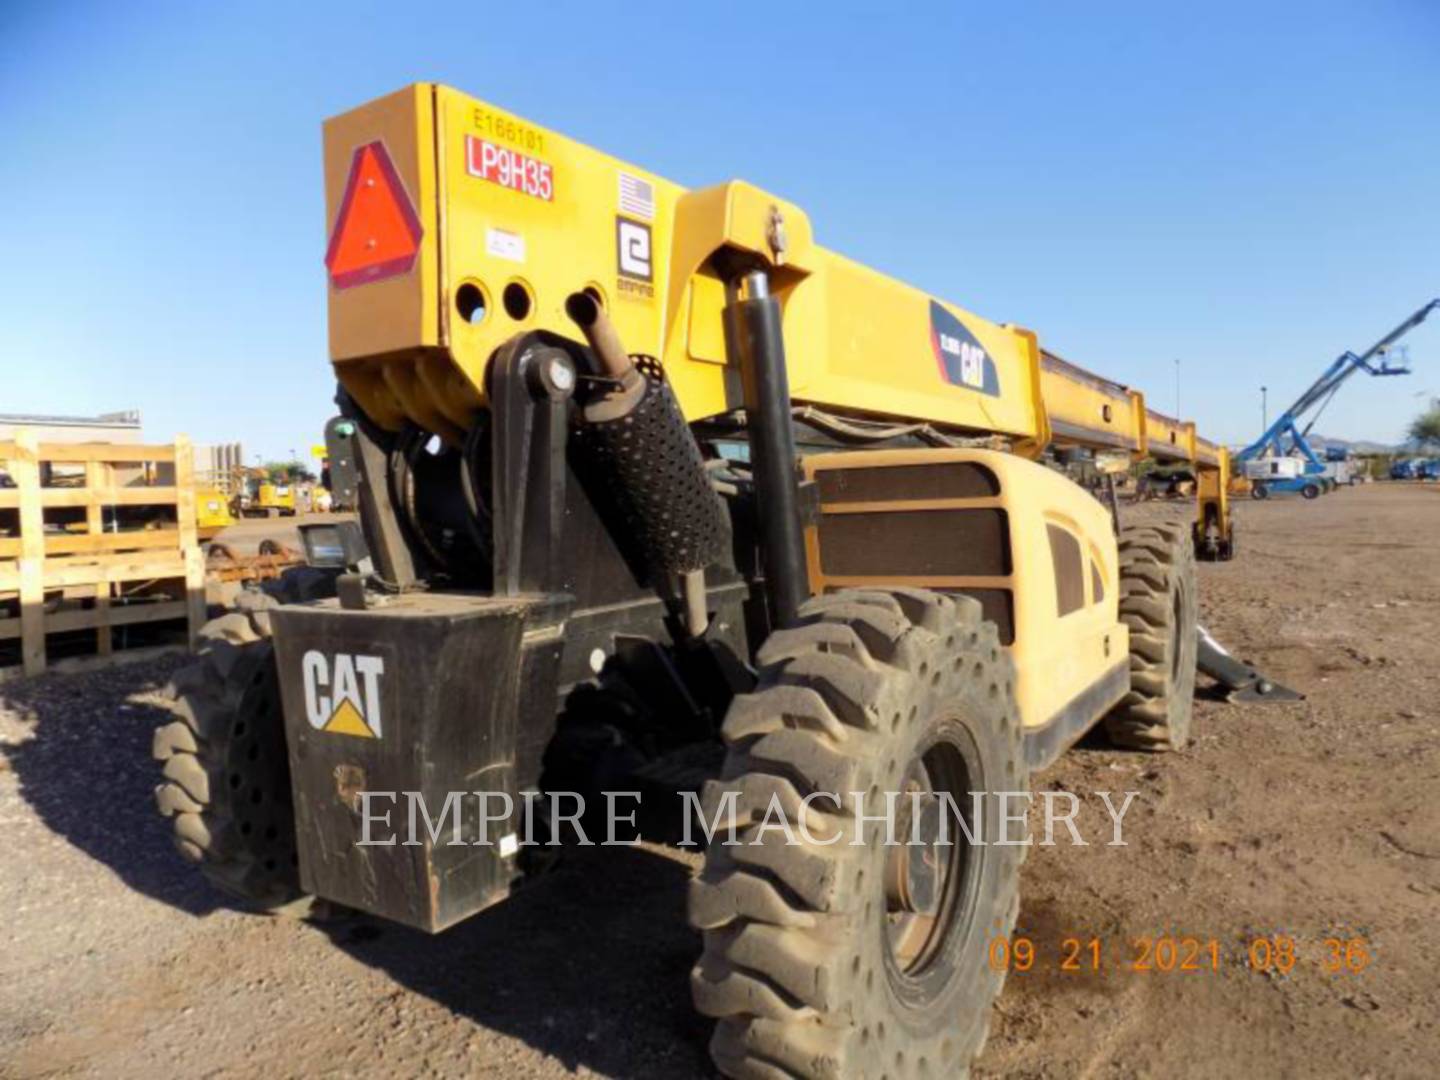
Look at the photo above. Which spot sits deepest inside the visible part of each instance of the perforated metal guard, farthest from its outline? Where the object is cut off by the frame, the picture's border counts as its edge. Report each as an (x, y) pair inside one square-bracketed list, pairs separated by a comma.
[(652, 466)]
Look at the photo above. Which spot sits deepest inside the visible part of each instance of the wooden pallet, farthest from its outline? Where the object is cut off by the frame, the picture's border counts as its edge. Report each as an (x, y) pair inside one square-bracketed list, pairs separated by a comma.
[(96, 574)]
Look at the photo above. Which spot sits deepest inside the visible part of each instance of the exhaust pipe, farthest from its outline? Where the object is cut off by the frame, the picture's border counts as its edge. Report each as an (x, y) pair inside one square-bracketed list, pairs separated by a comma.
[(615, 363), (636, 439)]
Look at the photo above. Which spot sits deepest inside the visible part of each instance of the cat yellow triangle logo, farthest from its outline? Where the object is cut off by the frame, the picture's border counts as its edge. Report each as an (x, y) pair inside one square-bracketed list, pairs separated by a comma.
[(342, 694), (346, 720)]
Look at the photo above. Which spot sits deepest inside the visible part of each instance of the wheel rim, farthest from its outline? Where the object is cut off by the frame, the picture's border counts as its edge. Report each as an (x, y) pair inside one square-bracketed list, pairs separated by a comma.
[(929, 888)]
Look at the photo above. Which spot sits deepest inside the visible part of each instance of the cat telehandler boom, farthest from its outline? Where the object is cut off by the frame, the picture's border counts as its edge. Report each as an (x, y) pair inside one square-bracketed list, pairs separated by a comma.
[(659, 496)]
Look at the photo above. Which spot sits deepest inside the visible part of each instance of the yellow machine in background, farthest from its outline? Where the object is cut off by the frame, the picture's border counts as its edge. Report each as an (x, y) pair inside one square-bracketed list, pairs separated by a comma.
[(212, 511), (797, 535), (214, 495), (258, 496), (274, 500), (223, 497)]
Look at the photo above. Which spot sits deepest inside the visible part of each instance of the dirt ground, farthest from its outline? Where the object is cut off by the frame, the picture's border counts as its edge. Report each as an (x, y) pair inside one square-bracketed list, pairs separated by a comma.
[(1292, 823)]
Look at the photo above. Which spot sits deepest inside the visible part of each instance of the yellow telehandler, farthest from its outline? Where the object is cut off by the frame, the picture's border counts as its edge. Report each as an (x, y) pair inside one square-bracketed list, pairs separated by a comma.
[(657, 495)]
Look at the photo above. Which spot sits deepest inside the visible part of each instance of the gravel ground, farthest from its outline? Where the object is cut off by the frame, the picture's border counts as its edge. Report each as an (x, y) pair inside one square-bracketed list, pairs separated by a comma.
[(1309, 820)]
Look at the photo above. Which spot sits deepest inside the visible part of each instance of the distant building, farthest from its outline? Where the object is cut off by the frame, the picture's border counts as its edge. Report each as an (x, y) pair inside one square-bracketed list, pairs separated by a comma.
[(217, 465), (116, 427)]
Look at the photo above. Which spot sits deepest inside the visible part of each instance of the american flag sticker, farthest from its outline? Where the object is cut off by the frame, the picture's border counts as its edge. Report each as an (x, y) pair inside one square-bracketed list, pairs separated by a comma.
[(637, 197)]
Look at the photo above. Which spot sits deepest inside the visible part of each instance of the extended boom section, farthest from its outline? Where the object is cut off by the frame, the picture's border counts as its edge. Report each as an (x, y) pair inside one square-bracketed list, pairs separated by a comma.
[(507, 219)]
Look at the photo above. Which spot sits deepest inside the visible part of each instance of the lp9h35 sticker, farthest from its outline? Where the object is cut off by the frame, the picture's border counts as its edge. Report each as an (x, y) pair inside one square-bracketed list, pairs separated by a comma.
[(962, 360), (509, 168)]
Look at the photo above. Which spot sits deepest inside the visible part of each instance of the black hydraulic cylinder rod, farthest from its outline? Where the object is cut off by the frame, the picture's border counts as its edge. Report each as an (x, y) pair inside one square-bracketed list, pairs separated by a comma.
[(754, 338)]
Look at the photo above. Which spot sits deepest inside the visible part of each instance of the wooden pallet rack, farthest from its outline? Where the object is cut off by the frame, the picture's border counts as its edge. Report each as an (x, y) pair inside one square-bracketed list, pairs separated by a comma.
[(126, 554)]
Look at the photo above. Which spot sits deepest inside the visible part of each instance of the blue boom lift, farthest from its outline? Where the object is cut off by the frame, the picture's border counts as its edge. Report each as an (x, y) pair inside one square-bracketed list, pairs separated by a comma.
[(1281, 459)]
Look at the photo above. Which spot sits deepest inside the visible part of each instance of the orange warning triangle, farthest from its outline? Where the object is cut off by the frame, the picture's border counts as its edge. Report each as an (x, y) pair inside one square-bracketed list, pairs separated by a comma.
[(346, 720), (377, 232)]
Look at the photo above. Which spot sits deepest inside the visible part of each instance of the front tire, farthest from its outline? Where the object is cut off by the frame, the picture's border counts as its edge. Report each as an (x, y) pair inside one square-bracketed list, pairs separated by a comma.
[(843, 960), (1157, 603), (226, 772)]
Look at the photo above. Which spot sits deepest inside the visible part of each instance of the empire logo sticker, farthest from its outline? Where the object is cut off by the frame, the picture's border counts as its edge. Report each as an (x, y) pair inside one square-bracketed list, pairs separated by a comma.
[(961, 358), (343, 696), (633, 259)]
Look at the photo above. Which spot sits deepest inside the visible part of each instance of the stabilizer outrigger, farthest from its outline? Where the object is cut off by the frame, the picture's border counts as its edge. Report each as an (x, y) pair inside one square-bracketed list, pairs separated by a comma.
[(1242, 684)]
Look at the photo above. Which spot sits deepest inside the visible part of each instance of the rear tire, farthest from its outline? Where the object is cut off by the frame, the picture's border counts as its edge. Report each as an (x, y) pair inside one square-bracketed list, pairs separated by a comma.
[(1310, 491), (226, 771), (1260, 491), (1157, 603), (819, 960)]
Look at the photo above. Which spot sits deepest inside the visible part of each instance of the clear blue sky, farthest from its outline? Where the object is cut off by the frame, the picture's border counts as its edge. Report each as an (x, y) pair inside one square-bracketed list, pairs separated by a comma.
[(1247, 187)]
